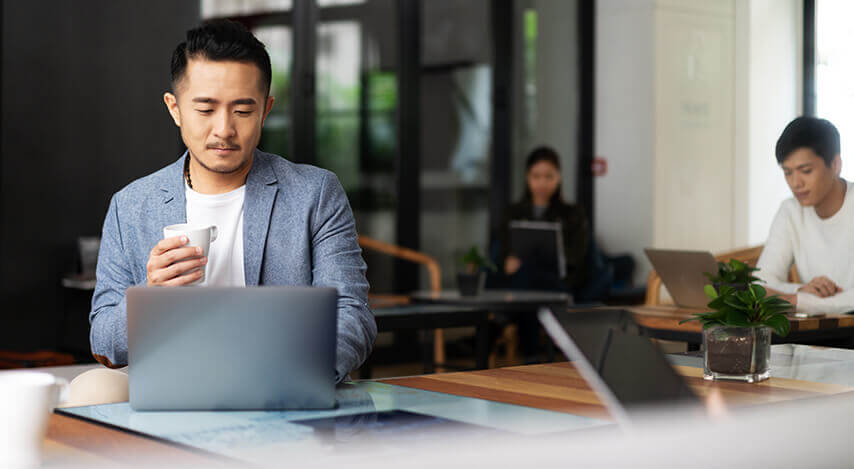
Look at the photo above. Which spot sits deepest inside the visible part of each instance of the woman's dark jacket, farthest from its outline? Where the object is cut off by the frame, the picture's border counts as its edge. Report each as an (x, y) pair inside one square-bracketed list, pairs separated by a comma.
[(576, 235)]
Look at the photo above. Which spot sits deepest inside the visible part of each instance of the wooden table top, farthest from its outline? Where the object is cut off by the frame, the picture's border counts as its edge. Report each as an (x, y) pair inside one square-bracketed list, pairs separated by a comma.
[(667, 317), (554, 386), (559, 387)]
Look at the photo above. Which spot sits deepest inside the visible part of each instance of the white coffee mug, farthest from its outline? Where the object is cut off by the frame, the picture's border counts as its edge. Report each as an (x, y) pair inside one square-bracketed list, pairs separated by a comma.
[(26, 401), (200, 236)]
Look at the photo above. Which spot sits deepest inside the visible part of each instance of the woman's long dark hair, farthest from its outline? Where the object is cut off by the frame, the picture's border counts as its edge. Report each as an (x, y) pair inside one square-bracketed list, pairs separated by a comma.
[(537, 155)]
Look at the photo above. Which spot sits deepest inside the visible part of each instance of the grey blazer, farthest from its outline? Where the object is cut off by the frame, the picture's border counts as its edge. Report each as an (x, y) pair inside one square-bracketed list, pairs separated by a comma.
[(298, 229)]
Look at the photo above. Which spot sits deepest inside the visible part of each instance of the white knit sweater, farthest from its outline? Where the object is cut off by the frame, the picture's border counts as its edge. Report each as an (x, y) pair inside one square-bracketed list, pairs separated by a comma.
[(816, 247)]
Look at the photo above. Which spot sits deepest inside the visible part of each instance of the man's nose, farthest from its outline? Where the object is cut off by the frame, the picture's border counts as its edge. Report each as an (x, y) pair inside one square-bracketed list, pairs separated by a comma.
[(224, 126)]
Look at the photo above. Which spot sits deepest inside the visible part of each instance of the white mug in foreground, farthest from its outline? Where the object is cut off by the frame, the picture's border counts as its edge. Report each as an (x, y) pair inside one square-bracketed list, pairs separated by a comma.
[(26, 401), (198, 235)]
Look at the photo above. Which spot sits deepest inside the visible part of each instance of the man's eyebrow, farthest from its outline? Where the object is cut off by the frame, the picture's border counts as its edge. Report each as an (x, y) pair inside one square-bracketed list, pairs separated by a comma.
[(245, 101), (249, 101)]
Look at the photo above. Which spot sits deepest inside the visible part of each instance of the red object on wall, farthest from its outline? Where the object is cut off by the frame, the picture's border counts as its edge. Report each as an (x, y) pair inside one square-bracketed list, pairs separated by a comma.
[(599, 167)]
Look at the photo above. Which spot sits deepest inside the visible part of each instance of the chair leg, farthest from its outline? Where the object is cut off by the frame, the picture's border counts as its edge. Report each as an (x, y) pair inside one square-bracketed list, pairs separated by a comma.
[(439, 349), (511, 344)]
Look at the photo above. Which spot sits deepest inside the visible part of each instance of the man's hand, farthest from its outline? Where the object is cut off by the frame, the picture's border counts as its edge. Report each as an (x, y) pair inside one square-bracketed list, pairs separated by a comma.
[(511, 265), (821, 286), (169, 263)]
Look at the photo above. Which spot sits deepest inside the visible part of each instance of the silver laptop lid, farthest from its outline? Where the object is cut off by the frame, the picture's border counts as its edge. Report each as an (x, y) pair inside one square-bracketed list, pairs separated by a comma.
[(627, 371), (682, 274), (207, 348)]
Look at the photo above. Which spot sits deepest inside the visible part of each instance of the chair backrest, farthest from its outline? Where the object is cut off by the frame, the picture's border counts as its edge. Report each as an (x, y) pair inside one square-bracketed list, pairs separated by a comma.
[(749, 256), (400, 252)]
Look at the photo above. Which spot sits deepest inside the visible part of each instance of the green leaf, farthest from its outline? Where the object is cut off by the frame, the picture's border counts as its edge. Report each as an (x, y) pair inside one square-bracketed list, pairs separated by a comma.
[(777, 301), (717, 303), (758, 291), (734, 302), (745, 296), (737, 318), (710, 291), (778, 309), (779, 323)]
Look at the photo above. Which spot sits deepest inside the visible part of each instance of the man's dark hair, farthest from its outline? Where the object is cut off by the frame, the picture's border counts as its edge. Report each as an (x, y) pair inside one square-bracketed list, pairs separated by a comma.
[(819, 135), (221, 40)]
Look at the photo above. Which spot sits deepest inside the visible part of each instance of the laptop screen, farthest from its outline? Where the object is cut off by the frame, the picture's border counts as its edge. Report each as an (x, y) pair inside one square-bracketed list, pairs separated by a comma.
[(630, 366)]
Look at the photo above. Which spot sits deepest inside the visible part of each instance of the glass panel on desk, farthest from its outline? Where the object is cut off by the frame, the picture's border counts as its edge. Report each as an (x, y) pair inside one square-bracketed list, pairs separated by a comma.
[(257, 436), (832, 366)]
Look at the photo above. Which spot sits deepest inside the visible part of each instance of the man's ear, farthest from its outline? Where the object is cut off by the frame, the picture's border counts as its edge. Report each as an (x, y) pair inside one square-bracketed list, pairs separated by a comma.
[(836, 165), (172, 106), (267, 108)]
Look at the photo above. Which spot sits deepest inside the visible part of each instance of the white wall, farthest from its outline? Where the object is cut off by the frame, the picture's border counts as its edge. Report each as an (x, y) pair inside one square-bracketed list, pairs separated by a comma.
[(625, 131), (690, 98), (771, 98), (694, 97)]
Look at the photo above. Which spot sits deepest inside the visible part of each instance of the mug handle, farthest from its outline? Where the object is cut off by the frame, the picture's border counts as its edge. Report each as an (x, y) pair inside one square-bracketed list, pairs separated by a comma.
[(213, 233)]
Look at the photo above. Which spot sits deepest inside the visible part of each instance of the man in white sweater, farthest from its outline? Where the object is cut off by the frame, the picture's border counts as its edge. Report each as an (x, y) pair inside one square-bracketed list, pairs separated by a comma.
[(814, 229)]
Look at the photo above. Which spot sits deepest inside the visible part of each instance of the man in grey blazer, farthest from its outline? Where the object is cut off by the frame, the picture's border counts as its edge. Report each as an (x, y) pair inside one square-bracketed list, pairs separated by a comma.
[(289, 224)]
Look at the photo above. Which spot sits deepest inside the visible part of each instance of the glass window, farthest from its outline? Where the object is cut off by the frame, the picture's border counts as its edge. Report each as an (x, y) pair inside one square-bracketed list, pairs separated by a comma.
[(456, 123), (228, 8), (834, 69), (276, 135), (356, 105), (338, 97)]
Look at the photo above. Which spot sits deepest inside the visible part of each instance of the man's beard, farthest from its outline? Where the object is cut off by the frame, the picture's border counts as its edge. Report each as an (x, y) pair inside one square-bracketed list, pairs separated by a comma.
[(235, 169)]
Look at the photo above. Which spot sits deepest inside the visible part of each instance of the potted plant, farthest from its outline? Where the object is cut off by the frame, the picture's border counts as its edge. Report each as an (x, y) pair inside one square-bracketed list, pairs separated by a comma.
[(472, 277), (737, 332), (735, 274)]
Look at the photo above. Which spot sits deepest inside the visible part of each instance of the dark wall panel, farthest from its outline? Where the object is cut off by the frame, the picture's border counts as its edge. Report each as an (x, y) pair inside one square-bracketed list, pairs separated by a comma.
[(82, 116)]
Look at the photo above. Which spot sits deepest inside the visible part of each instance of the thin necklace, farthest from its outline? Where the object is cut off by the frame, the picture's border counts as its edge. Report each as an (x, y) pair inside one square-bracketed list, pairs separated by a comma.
[(187, 171)]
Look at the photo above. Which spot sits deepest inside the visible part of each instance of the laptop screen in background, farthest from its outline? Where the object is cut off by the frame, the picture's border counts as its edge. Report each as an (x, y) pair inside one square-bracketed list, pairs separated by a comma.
[(634, 369)]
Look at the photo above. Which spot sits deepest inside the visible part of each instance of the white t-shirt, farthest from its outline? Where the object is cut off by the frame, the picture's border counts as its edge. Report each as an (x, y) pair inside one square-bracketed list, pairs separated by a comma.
[(817, 247), (225, 211)]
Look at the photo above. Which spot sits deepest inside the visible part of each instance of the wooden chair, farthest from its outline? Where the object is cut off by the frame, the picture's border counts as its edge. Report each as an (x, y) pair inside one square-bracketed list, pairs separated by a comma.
[(749, 256), (435, 277)]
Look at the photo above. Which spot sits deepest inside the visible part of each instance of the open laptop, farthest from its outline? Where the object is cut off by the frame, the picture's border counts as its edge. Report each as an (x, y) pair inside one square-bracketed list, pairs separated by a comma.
[(231, 348), (627, 371), (682, 274)]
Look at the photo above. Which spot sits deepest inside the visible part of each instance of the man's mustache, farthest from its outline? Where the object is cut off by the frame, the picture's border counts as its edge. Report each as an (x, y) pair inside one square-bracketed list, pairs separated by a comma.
[(223, 146)]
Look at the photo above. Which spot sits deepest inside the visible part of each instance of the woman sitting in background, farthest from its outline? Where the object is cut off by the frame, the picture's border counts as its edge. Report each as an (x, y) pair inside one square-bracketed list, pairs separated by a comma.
[(543, 202)]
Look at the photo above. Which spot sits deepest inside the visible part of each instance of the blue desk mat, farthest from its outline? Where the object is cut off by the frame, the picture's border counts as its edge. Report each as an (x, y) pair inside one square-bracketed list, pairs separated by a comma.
[(368, 411)]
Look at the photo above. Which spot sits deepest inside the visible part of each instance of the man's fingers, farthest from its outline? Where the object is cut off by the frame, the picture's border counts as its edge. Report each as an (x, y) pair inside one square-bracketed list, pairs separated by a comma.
[(168, 243), (830, 286), (177, 274), (176, 255), (182, 267), (183, 279), (170, 257)]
